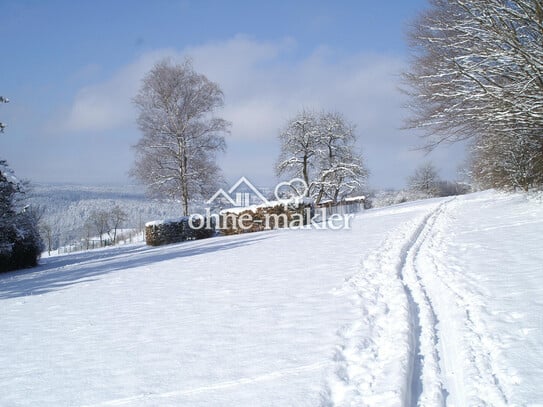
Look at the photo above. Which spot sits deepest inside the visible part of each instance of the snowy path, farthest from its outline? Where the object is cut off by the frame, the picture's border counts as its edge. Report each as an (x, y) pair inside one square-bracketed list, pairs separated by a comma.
[(420, 339), (430, 265), (434, 303), (389, 357), (483, 270), (437, 366), (423, 381)]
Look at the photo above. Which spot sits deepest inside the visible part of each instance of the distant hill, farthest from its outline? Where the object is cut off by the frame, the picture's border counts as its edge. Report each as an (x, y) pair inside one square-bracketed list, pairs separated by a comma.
[(66, 207)]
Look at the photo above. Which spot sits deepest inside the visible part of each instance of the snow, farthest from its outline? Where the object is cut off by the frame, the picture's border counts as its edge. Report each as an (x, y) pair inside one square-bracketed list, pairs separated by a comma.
[(359, 198), (292, 202), (436, 302), (166, 221)]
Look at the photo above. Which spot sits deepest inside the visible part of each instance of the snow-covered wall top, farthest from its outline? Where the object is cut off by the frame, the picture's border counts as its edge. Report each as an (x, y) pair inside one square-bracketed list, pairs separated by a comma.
[(166, 221)]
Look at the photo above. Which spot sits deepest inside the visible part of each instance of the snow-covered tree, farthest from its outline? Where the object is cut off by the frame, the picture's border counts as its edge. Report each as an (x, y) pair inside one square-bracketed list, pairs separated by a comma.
[(425, 181), (20, 242), (477, 68), (340, 166), (508, 161), (176, 157), (320, 148), (477, 73), (300, 144)]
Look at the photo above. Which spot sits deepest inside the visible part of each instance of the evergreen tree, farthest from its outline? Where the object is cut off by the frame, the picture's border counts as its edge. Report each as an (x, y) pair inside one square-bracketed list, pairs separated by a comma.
[(20, 242)]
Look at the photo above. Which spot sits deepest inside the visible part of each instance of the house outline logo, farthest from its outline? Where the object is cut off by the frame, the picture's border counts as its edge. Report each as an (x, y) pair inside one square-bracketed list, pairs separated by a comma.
[(240, 199)]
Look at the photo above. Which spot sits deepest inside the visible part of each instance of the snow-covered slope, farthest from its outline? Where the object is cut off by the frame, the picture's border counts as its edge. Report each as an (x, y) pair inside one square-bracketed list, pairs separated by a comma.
[(437, 302), (68, 207)]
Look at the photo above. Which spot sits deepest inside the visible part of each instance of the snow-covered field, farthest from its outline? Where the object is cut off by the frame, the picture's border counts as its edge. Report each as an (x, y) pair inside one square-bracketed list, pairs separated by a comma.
[(438, 302)]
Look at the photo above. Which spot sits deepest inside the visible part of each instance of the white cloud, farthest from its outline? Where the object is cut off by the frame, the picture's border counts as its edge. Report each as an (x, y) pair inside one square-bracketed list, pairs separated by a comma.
[(107, 105), (266, 83), (263, 85)]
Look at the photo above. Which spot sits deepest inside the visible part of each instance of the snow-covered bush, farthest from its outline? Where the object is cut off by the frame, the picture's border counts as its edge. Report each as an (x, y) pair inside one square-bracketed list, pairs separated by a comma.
[(380, 199), (450, 188)]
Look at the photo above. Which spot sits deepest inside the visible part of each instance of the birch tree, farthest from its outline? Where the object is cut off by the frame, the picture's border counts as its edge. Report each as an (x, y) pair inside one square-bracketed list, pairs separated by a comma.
[(176, 157)]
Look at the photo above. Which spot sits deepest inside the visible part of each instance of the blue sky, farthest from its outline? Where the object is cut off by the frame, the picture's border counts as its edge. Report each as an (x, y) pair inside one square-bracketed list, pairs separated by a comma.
[(70, 69)]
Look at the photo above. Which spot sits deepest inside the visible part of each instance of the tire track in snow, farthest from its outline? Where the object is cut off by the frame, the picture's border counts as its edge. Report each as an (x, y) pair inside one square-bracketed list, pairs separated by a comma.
[(433, 348), (389, 357), (465, 349), (374, 362), (424, 378)]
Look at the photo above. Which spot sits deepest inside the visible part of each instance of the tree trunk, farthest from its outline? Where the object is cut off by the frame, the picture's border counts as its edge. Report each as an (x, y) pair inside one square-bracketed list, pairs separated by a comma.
[(306, 175)]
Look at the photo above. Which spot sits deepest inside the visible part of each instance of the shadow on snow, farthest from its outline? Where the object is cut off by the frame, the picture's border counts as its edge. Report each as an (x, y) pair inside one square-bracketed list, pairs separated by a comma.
[(61, 272)]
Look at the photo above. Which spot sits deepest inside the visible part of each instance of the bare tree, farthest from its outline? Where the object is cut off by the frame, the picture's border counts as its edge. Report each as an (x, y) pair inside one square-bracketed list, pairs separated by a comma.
[(300, 141), (88, 227), (477, 68), (100, 219), (477, 73), (118, 217), (425, 181), (320, 148), (341, 168), (176, 156), (508, 162)]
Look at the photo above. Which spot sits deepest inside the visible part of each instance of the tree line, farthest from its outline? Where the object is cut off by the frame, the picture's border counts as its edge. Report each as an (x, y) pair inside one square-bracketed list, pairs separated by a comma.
[(101, 224)]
